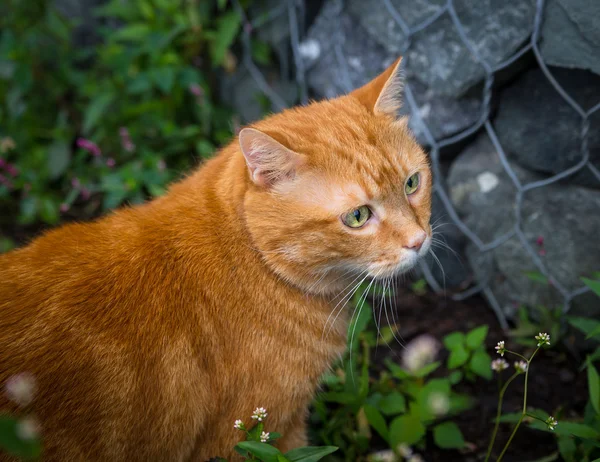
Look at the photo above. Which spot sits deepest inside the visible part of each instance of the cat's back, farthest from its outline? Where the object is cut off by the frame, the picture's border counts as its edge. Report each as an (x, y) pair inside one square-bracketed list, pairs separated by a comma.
[(88, 310)]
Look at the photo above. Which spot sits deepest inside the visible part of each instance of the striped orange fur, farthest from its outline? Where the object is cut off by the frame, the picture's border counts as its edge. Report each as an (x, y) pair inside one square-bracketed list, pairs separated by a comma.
[(151, 330)]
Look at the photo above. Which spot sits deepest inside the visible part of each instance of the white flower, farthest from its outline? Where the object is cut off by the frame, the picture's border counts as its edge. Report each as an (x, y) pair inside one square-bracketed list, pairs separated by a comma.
[(28, 429), (500, 348), (420, 352), (551, 422), (416, 458), (260, 414), (383, 456), (264, 437), (438, 403), (521, 366), (499, 365), (20, 388), (405, 450), (542, 339), (239, 425)]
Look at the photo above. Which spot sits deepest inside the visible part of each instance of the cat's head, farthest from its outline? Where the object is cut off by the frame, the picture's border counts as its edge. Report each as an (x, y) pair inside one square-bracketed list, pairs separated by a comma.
[(338, 188)]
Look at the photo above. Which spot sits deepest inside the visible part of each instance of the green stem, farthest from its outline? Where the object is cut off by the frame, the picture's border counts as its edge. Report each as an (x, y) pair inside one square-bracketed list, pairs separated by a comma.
[(524, 412), (535, 417), (498, 414)]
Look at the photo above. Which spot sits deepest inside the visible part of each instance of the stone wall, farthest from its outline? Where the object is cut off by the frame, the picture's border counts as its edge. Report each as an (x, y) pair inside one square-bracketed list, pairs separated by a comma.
[(476, 75)]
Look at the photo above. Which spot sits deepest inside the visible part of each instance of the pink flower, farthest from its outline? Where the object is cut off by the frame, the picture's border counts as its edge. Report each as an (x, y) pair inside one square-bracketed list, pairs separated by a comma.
[(196, 90), (110, 162), (2, 162), (89, 146), (12, 170), (542, 252), (540, 241), (85, 193), (126, 140), (75, 183), (161, 165), (64, 207)]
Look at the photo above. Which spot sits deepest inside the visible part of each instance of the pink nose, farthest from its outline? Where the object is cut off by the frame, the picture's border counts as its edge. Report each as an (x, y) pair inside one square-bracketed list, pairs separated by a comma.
[(416, 241)]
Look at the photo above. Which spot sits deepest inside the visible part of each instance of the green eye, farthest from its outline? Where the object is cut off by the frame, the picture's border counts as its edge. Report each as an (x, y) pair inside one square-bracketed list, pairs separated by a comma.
[(357, 217), (412, 184)]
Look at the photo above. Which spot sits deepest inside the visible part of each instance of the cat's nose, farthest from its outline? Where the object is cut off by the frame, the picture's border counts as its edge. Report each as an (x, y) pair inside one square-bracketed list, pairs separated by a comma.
[(416, 241)]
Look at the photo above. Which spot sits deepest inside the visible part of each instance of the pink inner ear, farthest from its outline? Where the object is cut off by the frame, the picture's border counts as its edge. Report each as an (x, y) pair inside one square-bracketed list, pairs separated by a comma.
[(268, 160)]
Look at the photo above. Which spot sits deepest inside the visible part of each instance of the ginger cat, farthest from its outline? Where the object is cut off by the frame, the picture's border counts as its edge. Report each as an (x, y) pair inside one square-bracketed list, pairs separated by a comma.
[(150, 331)]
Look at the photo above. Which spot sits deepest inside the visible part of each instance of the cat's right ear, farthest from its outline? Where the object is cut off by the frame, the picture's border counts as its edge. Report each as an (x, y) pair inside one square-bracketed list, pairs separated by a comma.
[(268, 161), (382, 95)]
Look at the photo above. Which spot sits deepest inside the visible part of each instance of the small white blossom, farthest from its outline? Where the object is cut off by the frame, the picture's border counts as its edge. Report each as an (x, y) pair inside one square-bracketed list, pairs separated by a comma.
[(20, 388), (438, 403), (239, 425), (499, 365), (260, 414), (521, 366), (500, 348), (551, 422), (405, 450), (264, 437), (416, 458), (383, 456), (28, 429), (420, 352), (542, 339)]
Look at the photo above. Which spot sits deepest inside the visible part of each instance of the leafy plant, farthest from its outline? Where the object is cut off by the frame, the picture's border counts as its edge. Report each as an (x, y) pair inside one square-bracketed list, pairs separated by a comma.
[(398, 408), (94, 126), (467, 354)]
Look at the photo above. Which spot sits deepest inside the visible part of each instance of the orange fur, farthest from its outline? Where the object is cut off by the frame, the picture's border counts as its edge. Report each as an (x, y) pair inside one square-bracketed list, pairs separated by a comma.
[(151, 330)]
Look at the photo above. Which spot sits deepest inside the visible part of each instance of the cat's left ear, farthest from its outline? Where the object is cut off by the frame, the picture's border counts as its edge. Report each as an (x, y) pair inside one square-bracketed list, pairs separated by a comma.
[(269, 161), (382, 94)]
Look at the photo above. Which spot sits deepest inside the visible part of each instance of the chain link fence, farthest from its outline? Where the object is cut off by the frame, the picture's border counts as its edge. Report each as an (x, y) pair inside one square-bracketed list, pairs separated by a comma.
[(293, 12)]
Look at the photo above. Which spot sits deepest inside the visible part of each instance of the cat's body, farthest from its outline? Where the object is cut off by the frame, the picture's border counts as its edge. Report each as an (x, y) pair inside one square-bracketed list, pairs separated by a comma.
[(149, 332)]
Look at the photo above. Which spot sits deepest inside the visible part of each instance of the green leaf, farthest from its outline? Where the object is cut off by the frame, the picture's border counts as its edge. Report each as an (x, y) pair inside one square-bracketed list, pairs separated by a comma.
[(132, 33), (476, 337), (11, 443), (448, 436), (309, 453), (536, 276), (458, 356), (406, 429), (394, 403), (567, 448), (228, 26), (426, 370), (586, 325), (576, 429), (376, 421), (95, 110), (338, 397), (481, 364), (59, 157), (49, 210), (264, 451), (594, 285), (455, 377), (594, 386), (593, 333), (281, 458), (454, 340), (164, 77)]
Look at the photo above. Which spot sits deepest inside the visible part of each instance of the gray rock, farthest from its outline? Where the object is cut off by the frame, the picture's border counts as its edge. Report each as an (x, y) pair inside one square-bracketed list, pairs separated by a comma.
[(541, 131), (485, 199), (570, 34), (340, 56), (442, 115), (348, 57), (241, 91), (438, 56)]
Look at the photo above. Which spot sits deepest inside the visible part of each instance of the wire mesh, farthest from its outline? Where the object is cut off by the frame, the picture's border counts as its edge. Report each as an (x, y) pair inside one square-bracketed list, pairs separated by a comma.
[(293, 10)]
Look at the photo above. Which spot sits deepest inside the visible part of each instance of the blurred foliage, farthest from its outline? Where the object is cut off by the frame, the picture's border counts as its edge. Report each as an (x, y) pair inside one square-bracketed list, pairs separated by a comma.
[(97, 125)]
